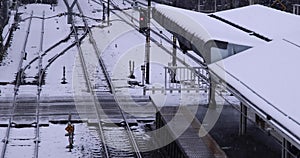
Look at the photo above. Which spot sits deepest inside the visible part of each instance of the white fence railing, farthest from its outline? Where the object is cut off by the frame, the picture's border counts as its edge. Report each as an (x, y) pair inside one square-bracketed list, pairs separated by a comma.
[(183, 79)]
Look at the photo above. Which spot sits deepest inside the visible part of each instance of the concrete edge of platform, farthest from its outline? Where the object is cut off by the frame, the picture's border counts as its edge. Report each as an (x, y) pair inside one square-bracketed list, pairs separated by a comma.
[(195, 124)]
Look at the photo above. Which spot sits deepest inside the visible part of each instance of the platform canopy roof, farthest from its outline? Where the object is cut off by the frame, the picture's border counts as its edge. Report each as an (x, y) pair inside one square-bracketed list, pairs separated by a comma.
[(199, 28), (272, 23), (266, 75)]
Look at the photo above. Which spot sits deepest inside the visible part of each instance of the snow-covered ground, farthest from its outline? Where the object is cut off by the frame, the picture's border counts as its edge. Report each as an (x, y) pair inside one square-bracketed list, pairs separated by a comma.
[(55, 30), (119, 43), (110, 41)]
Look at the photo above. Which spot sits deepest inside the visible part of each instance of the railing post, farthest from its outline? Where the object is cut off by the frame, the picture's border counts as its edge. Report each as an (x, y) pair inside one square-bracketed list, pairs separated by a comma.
[(243, 119), (285, 148), (174, 60), (166, 78), (212, 102)]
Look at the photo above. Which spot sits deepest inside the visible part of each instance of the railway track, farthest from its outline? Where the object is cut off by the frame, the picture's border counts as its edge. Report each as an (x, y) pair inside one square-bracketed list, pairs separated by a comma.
[(19, 106), (106, 116), (118, 138), (204, 75), (39, 88), (24, 111), (16, 88), (29, 110), (159, 34)]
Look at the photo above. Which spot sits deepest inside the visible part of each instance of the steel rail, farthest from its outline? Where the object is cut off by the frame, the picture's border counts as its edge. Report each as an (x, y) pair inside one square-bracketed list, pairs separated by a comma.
[(100, 60), (51, 60), (89, 86), (40, 17), (130, 134), (109, 81), (20, 72), (49, 49), (39, 89), (164, 38), (41, 72), (16, 88), (164, 48)]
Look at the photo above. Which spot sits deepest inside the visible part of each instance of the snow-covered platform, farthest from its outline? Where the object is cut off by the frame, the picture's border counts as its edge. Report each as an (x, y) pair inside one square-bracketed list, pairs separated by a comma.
[(180, 135), (258, 60), (266, 77)]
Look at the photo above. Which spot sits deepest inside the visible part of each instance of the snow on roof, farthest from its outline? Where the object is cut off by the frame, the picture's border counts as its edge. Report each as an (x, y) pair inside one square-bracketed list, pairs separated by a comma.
[(267, 75), (266, 21), (201, 25)]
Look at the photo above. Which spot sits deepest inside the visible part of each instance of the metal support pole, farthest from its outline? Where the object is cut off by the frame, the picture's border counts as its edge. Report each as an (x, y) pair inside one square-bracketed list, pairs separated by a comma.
[(173, 76), (143, 79), (285, 148), (147, 56), (251, 2), (296, 9), (143, 74), (243, 120), (283, 151), (103, 15), (70, 18), (215, 5), (16, 8), (64, 76), (70, 10), (147, 60), (69, 117), (212, 102), (166, 81), (108, 10), (131, 69)]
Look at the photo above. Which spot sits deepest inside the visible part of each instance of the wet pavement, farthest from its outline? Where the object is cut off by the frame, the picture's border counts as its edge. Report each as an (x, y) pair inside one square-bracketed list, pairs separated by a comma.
[(255, 143)]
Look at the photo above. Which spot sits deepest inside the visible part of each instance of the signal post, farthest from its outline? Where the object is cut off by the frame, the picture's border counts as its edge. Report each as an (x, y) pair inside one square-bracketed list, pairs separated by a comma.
[(147, 49)]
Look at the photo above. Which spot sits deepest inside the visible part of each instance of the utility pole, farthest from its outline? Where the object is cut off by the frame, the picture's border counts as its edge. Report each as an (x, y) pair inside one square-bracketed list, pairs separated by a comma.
[(70, 10), (147, 55), (108, 10), (103, 15), (173, 73)]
